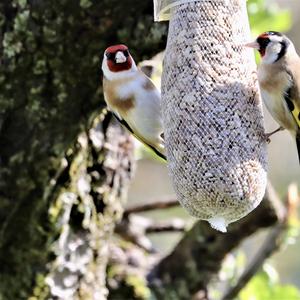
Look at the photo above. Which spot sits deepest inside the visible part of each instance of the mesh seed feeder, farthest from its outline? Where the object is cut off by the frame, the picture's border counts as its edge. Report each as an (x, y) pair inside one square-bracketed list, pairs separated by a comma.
[(213, 123)]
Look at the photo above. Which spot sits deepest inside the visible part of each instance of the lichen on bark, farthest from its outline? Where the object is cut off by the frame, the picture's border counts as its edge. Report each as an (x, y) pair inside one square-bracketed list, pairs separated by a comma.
[(86, 212)]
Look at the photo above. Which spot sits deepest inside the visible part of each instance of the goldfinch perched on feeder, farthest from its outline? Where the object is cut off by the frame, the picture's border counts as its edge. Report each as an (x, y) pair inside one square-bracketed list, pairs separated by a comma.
[(133, 98), (279, 80)]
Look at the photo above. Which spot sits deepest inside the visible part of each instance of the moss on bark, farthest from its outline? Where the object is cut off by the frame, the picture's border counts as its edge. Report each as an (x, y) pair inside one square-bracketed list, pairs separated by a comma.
[(49, 92)]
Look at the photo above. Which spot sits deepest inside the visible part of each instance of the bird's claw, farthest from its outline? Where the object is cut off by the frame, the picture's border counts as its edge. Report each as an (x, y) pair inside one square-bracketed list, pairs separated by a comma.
[(267, 138)]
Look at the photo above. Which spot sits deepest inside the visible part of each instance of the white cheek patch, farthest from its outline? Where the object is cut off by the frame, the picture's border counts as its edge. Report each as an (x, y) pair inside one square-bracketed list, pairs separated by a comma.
[(104, 66), (274, 47), (272, 52), (118, 75)]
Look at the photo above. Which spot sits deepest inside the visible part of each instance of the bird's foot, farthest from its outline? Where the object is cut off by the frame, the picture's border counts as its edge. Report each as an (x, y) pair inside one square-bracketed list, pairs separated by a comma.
[(267, 135)]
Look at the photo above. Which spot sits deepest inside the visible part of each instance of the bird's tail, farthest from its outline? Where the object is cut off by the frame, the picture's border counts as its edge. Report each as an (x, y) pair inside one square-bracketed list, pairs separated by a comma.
[(298, 144)]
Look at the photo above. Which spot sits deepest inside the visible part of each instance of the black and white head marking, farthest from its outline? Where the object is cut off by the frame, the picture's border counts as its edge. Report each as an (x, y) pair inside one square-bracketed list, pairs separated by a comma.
[(273, 46)]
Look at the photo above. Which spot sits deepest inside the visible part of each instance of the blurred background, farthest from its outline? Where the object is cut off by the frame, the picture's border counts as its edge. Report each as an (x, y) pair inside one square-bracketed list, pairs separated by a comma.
[(152, 182)]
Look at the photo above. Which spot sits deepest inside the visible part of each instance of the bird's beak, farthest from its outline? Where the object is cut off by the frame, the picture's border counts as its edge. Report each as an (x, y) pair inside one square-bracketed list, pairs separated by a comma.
[(254, 45), (120, 57)]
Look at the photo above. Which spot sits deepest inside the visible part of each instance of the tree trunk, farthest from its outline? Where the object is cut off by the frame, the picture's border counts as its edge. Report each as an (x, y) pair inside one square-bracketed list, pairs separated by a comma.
[(52, 168), (86, 210)]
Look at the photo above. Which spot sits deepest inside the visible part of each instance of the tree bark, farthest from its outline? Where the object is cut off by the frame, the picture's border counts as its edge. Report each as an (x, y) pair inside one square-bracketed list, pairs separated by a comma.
[(86, 211), (49, 93)]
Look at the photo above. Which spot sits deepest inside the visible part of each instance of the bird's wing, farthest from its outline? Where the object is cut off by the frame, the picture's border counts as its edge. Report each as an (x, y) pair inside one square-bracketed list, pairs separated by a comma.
[(292, 98), (292, 94), (127, 126)]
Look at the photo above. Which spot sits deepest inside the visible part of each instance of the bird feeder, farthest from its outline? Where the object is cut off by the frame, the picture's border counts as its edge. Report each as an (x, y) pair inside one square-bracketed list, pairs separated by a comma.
[(212, 110)]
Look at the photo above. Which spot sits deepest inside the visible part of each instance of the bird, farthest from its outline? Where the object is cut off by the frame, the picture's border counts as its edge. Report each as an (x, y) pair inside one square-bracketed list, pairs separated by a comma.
[(133, 98), (279, 81)]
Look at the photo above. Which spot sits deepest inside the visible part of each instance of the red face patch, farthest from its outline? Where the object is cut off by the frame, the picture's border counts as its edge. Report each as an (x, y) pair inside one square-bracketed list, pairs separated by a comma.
[(116, 48), (114, 67), (263, 40), (264, 35), (262, 52)]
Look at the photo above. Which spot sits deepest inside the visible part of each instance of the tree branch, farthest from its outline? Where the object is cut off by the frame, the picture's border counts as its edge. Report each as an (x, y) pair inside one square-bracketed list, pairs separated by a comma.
[(199, 255), (271, 244), (134, 228), (166, 202), (163, 226)]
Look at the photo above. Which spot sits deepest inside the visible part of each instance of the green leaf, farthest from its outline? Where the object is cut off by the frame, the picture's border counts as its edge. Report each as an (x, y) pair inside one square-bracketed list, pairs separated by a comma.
[(262, 288)]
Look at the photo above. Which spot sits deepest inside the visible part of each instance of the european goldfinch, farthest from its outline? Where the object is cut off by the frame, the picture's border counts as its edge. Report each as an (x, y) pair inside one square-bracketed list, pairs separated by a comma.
[(133, 98), (279, 80)]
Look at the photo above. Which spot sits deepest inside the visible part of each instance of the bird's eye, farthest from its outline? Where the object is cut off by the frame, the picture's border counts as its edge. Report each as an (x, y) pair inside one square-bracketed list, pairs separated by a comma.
[(110, 56), (276, 33), (126, 53)]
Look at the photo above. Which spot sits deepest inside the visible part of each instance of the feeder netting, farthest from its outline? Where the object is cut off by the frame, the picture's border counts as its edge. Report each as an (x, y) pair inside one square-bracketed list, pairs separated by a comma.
[(212, 112)]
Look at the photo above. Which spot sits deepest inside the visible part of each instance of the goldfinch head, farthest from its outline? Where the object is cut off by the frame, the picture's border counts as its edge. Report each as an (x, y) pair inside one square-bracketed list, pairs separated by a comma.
[(272, 46), (117, 62)]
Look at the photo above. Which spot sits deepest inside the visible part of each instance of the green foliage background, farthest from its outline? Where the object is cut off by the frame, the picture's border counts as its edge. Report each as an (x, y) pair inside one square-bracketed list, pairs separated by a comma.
[(266, 16)]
